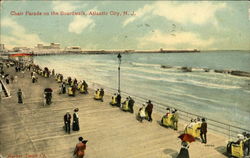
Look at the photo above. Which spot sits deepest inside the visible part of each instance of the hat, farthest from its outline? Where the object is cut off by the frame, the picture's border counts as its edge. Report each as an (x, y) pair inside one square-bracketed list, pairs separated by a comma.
[(149, 101), (76, 110), (80, 138), (203, 119)]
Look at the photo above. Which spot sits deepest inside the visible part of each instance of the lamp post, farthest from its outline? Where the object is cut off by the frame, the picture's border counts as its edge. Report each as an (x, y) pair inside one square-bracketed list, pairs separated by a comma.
[(119, 64)]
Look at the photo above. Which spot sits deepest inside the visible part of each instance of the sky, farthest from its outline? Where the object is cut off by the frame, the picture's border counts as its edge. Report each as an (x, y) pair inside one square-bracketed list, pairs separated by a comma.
[(148, 25)]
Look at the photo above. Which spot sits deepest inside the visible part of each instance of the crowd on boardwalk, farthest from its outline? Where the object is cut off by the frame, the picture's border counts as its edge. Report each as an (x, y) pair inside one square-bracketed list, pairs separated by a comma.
[(197, 128)]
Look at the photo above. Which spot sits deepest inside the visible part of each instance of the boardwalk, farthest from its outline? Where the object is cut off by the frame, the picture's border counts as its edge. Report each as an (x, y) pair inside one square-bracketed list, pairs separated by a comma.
[(30, 129)]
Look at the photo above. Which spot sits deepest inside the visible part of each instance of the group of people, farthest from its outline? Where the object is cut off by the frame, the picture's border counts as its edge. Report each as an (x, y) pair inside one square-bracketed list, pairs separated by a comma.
[(145, 112), (197, 128), (71, 86), (99, 94), (75, 123), (171, 118), (128, 104)]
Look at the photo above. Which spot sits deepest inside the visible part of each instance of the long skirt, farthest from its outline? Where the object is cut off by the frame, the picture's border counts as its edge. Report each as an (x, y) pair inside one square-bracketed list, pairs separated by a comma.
[(76, 125)]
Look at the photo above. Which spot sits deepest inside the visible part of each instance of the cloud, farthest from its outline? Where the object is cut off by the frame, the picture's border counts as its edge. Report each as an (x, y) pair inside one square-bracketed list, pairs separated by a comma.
[(65, 6), (18, 35), (80, 23), (174, 41), (184, 13), (139, 13)]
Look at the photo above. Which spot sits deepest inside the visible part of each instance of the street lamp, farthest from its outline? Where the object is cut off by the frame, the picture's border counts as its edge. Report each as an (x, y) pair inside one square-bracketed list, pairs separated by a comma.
[(119, 64)]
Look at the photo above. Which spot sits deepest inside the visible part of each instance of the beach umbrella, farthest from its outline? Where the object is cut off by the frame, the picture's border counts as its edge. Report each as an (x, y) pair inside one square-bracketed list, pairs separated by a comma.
[(186, 137), (48, 90)]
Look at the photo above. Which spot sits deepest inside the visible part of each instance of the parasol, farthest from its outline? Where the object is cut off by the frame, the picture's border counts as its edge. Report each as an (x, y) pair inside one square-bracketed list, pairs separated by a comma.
[(187, 138), (48, 90)]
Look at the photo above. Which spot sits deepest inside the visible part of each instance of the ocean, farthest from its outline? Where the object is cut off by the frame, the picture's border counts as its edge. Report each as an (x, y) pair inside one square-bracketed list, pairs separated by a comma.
[(217, 96)]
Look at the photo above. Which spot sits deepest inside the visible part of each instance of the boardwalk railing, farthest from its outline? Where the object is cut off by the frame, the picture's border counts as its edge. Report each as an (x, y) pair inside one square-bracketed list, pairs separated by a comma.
[(219, 127)]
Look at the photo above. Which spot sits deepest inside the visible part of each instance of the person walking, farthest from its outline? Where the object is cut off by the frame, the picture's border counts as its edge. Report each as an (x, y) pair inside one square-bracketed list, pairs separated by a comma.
[(184, 150), (20, 96), (67, 121), (149, 110), (80, 148), (175, 119), (203, 131), (75, 120)]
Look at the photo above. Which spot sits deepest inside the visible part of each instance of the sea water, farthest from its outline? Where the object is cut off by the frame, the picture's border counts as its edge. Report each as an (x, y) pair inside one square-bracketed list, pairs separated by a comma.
[(218, 96)]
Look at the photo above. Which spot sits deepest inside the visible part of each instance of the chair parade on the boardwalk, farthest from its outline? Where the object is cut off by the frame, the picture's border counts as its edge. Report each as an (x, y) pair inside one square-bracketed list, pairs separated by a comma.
[(239, 148)]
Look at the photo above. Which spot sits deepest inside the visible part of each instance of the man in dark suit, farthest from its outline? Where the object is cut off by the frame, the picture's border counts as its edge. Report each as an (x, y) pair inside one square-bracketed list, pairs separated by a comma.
[(203, 131), (67, 120), (149, 110)]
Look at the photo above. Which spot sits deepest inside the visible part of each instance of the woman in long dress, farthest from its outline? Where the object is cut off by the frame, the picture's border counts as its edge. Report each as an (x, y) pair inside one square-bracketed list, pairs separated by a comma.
[(76, 120), (184, 150)]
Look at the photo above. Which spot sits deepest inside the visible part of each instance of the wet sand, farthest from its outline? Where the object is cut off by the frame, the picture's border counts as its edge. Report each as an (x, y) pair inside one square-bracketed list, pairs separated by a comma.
[(30, 129)]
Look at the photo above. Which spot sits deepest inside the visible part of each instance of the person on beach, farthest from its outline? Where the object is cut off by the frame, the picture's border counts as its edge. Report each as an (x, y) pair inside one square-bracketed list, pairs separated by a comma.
[(203, 131), (75, 126), (67, 121), (149, 110), (184, 150), (80, 148), (20, 96)]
